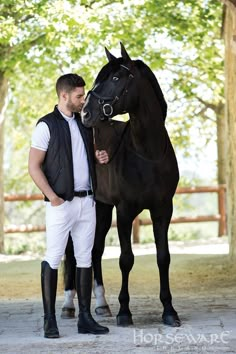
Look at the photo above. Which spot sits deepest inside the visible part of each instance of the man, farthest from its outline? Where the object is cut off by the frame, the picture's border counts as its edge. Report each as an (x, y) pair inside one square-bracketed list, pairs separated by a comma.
[(61, 163)]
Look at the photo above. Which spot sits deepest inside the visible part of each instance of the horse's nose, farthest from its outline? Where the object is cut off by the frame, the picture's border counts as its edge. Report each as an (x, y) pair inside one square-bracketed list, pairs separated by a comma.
[(85, 115)]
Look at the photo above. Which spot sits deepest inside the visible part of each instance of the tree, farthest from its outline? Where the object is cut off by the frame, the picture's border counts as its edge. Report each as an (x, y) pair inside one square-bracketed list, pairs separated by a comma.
[(3, 94), (20, 31), (230, 117), (36, 39)]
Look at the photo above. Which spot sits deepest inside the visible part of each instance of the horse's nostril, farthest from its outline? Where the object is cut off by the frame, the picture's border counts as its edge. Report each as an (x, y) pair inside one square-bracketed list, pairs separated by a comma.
[(87, 115)]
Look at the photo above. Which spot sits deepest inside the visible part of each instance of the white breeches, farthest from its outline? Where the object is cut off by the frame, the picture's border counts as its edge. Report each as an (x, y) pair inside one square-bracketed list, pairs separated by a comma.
[(77, 217)]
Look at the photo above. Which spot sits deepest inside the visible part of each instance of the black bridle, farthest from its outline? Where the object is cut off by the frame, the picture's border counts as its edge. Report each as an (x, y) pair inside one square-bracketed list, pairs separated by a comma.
[(106, 108)]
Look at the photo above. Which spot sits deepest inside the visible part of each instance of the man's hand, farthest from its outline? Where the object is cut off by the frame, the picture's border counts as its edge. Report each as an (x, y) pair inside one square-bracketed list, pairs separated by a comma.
[(56, 201), (102, 156)]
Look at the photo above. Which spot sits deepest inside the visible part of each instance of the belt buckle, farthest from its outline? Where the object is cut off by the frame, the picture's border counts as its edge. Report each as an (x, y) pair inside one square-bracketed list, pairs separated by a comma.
[(82, 194)]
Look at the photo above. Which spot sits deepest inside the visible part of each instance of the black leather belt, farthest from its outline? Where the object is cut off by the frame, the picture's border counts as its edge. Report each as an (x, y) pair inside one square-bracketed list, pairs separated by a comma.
[(82, 194)]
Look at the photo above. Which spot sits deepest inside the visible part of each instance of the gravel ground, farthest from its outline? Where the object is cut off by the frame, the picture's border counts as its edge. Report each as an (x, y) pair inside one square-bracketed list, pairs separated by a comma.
[(203, 287)]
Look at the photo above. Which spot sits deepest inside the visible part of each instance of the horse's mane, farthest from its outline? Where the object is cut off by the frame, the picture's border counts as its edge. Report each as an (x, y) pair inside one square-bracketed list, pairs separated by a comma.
[(147, 72)]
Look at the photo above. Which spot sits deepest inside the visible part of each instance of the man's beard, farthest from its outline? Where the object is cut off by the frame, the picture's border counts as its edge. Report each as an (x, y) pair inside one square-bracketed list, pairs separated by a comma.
[(72, 107)]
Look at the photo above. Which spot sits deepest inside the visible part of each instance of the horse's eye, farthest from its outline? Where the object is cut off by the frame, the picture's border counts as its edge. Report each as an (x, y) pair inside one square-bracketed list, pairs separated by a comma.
[(115, 78)]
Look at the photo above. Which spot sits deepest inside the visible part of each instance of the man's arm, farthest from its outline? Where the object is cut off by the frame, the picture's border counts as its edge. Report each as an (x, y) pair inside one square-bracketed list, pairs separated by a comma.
[(36, 158)]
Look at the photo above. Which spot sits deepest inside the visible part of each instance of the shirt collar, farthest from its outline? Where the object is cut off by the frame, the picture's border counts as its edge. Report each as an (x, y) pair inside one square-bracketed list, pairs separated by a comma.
[(68, 119)]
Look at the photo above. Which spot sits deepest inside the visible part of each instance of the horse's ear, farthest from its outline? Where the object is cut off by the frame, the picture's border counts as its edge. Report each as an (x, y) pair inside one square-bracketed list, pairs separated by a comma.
[(110, 57), (124, 54)]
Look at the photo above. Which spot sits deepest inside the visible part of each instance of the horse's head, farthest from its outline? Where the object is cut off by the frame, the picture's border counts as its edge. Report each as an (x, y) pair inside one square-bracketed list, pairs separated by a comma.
[(113, 91)]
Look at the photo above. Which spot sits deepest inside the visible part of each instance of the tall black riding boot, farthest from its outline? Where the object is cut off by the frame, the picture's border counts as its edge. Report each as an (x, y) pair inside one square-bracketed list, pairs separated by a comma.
[(86, 323), (49, 290)]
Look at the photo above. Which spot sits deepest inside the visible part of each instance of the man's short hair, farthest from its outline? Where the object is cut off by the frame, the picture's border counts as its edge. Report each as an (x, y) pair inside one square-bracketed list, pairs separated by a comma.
[(68, 83)]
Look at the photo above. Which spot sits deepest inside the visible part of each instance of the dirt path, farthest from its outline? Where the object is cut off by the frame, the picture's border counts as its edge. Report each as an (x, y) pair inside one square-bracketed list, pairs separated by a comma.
[(203, 288), (189, 273)]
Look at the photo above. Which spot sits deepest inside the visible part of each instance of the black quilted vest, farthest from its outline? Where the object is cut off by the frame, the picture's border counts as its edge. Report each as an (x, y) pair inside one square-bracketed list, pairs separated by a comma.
[(58, 163)]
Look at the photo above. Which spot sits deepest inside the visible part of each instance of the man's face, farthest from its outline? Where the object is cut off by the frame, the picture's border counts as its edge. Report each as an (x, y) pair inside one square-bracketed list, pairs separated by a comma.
[(75, 99)]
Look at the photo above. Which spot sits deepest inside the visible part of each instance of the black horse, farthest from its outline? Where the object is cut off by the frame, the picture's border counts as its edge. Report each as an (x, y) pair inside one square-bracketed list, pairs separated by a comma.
[(142, 172)]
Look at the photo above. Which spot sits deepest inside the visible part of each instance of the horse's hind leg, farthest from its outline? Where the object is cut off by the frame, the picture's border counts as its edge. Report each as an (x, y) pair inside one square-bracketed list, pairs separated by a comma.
[(104, 219), (160, 228), (68, 307)]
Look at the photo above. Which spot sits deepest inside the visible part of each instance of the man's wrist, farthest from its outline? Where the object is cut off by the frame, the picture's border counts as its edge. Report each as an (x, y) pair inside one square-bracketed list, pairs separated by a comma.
[(53, 198)]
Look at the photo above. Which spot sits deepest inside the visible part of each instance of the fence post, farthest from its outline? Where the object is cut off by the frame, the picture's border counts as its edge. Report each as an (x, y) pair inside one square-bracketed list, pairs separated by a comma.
[(136, 227), (222, 211)]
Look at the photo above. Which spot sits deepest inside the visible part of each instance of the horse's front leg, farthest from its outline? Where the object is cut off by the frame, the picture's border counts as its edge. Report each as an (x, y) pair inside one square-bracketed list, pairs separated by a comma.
[(104, 219), (160, 228), (126, 262)]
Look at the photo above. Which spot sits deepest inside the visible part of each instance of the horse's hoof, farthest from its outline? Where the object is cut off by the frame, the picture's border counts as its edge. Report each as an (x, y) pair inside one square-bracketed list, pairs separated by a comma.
[(171, 319), (67, 313), (124, 320), (103, 311)]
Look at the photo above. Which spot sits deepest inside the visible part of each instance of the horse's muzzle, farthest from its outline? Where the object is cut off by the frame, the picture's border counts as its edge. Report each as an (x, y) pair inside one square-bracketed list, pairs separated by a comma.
[(86, 118)]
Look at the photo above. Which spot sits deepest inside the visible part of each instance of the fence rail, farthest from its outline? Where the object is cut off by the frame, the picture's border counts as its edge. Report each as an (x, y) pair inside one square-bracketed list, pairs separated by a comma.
[(220, 217)]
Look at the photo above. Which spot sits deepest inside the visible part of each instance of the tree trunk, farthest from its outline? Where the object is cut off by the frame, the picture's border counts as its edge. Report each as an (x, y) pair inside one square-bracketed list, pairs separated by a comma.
[(3, 100), (230, 116), (221, 148)]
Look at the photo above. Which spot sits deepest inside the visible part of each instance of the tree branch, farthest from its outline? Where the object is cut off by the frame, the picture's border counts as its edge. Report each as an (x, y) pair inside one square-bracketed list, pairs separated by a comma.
[(231, 3), (95, 1), (207, 104), (24, 19)]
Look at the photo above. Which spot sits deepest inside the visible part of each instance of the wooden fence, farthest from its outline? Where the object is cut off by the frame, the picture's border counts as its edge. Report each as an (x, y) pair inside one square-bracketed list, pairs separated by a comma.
[(220, 217)]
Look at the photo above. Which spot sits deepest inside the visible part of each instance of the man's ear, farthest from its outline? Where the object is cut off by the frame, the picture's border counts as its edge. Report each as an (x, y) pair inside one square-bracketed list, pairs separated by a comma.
[(63, 95)]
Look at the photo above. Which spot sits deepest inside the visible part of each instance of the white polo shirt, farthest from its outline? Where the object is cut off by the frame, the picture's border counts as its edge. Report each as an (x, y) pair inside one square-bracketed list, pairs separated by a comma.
[(41, 138)]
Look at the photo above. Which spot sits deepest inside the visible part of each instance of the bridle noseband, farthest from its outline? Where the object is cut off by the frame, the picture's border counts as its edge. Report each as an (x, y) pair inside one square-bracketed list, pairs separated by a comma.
[(106, 109)]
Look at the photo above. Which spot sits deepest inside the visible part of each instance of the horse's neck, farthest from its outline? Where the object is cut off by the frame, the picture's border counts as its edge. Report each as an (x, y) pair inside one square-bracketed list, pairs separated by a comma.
[(108, 136), (148, 133)]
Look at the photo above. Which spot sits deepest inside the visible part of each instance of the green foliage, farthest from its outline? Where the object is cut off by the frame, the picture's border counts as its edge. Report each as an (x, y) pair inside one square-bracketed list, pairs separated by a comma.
[(41, 39), (25, 244)]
